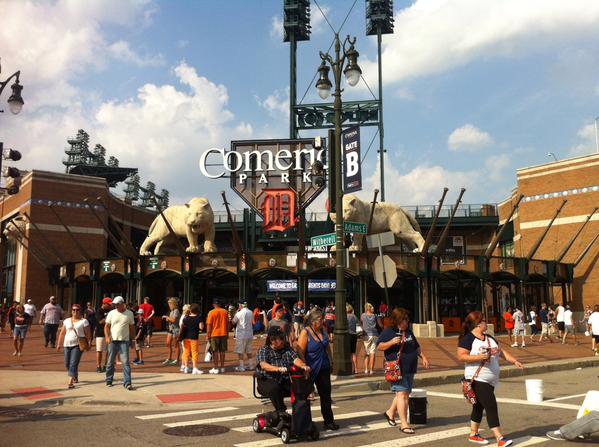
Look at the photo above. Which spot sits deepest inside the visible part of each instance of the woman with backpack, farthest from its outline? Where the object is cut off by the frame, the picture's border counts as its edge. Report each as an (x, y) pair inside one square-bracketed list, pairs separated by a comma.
[(480, 352)]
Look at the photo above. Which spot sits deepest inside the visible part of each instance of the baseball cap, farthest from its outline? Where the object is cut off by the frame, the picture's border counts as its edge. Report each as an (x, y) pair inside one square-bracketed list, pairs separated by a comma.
[(29, 300), (216, 300), (107, 300), (244, 303), (118, 300), (275, 331)]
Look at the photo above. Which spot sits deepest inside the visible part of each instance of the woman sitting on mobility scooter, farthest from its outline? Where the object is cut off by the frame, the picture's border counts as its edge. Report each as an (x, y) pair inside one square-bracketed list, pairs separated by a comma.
[(274, 361)]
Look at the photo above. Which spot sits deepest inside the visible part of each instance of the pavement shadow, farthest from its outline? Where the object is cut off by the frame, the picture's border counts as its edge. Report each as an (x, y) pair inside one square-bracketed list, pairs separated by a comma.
[(21, 413)]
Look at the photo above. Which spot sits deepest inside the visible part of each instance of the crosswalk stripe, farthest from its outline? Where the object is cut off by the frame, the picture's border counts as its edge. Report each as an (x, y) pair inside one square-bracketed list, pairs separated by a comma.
[(420, 439), (235, 417), (350, 430), (507, 400), (338, 417), (525, 440), (185, 413)]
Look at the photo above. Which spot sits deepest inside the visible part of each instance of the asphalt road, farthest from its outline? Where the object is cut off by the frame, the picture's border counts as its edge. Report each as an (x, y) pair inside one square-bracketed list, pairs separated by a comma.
[(228, 423)]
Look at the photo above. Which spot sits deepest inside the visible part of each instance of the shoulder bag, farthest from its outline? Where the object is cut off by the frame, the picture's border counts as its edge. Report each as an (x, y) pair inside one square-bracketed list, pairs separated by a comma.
[(83, 341), (467, 388), (393, 367)]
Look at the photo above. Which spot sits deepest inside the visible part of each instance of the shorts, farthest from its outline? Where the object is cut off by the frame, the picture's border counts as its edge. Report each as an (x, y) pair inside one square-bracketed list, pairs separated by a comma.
[(596, 337), (174, 332), (20, 332), (561, 325), (243, 345), (101, 344), (404, 385), (370, 344), (545, 328), (219, 344), (353, 341), (149, 328), (138, 345), (519, 331), (569, 329)]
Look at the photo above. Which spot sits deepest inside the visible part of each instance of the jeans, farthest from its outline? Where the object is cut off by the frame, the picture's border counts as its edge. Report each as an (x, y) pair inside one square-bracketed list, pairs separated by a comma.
[(50, 333), (122, 348), (72, 356), (585, 426)]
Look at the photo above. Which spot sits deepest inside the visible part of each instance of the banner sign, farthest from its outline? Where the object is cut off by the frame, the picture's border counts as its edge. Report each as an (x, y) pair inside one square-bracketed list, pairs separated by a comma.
[(290, 285), (352, 173), (454, 252)]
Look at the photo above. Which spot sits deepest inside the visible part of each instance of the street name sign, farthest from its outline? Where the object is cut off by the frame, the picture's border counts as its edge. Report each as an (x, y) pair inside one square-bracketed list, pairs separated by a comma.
[(355, 227), (323, 240)]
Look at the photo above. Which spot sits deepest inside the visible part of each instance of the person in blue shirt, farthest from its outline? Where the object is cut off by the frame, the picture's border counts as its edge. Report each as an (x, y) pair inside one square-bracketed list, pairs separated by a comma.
[(391, 341)]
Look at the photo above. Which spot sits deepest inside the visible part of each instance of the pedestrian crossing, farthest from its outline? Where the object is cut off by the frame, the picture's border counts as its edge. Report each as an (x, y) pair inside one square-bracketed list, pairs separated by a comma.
[(365, 422)]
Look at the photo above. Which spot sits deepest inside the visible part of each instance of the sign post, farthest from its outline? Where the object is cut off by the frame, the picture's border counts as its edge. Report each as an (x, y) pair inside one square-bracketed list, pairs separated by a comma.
[(384, 267)]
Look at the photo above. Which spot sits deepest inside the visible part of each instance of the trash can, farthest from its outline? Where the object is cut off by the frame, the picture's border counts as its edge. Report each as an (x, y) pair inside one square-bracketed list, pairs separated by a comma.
[(417, 406)]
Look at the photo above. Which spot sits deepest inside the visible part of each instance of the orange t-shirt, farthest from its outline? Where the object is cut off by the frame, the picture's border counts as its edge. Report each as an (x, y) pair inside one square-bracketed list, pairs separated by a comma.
[(218, 320), (509, 321)]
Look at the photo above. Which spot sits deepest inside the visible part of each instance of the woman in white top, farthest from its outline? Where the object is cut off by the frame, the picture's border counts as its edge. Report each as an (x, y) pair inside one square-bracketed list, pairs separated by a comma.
[(480, 352), (72, 329), (594, 324)]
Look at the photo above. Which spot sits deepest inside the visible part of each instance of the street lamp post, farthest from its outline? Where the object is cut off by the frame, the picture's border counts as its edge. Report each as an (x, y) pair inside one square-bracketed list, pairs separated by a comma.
[(341, 354), (15, 101)]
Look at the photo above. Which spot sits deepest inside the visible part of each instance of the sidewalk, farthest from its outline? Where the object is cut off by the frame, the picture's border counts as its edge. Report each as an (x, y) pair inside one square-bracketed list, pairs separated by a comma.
[(39, 376)]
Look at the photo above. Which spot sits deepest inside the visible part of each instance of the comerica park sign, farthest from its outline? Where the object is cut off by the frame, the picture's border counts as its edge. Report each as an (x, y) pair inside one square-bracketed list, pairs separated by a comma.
[(277, 178)]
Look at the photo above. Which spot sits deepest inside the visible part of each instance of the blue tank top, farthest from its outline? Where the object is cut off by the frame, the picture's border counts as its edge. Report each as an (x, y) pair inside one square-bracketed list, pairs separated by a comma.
[(316, 353)]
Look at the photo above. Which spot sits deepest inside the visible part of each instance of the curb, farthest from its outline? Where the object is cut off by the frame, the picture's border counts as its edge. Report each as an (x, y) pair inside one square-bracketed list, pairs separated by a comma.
[(454, 376)]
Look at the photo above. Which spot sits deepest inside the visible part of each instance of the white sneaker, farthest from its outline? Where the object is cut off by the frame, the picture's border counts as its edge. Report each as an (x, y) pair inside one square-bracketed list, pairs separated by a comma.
[(515, 345), (213, 371), (222, 370), (182, 368), (187, 371), (197, 371), (239, 369), (523, 345)]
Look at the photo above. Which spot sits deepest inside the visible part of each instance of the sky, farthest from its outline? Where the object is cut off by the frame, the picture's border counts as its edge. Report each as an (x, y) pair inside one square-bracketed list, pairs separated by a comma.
[(472, 89)]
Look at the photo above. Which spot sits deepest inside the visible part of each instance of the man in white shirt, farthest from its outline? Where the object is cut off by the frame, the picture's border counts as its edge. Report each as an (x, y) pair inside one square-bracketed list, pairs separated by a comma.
[(559, 317), (570, 327), (519, 327), (594, 325), (30, 308), (244, 335), (119, 330)]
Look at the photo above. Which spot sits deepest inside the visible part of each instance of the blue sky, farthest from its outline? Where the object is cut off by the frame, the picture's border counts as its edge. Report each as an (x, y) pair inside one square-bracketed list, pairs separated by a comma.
[(473, 89)]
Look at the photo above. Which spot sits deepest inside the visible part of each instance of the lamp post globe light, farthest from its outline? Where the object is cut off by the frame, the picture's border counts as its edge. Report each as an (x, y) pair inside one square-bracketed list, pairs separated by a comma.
[(15, 101), (346, 62)]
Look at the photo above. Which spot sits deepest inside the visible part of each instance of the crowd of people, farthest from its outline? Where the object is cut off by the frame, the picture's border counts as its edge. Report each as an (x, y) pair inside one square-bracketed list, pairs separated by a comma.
[(293, 336)]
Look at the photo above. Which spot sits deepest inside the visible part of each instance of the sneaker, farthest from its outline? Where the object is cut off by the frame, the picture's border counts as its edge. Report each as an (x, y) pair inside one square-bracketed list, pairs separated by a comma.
[(167, 362), (504, 442), (187, 371), (239, 369), (104, 369), (478, 439), (135, 362), (108, 383), (222, 370), (182, 368), (523, 345), (213, 371), (197, 371), (141, 362), (173, 363), (555, 435), (129, 387), (515, 345), (98, 369)]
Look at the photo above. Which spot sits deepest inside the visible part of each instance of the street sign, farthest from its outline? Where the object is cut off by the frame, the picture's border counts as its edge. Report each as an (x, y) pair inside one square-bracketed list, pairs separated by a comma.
[(384, 266), (355, 227), (380, 239), (323, 240)]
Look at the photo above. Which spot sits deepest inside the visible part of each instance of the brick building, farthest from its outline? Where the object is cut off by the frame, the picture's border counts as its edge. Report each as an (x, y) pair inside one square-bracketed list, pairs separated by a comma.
[(50, 200), (545, 187)]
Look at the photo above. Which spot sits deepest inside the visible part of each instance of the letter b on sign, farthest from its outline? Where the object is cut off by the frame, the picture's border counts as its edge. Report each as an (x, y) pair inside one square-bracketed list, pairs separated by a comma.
[(352, 164)]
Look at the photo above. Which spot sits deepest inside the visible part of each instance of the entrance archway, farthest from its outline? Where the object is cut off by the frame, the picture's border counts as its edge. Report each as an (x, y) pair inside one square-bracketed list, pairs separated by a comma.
[(214, 282), (159, 286)]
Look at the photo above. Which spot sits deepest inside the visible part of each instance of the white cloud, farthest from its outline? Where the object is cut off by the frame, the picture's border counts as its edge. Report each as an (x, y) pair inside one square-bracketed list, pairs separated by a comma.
[(468, 138), (498, 167), (317, 18), (277, 103), (588, 144), (121, 50), (276, 29), (434, 36)]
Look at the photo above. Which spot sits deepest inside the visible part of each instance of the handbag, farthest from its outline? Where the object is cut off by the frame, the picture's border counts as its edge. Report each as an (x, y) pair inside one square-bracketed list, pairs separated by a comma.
[(467, 388), (208, 356), (83, 341), (393, 367)]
